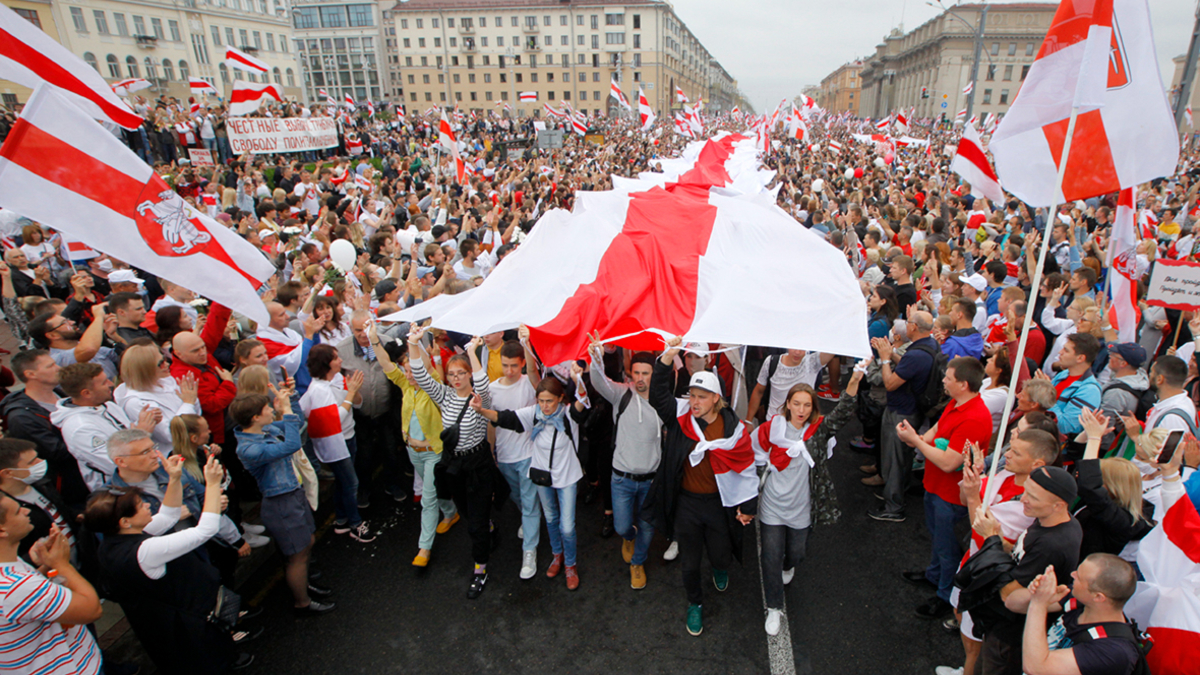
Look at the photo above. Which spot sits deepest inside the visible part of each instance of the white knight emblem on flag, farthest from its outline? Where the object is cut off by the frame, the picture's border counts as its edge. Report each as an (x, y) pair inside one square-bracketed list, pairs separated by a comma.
[(181, 233)]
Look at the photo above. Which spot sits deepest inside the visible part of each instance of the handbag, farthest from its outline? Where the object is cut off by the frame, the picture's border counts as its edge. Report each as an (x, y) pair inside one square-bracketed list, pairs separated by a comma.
[(449, 435), (225, 613), (543, 477)]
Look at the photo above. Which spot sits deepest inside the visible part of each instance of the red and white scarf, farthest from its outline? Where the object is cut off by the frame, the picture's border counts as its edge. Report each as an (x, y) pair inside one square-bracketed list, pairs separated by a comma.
[(771, 442), (731, 458), (322, 408), (284, 348)]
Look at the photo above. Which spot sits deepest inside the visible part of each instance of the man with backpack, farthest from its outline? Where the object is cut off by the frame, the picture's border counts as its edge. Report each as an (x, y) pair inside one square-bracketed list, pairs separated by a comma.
[(1092, 636), (1128, 392), (1076, 386), (1174, 409), (907, 379)]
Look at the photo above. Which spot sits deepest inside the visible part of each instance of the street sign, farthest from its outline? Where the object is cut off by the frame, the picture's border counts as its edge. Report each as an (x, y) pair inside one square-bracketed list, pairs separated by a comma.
[(649, 85), (550, 139), (943, 104)]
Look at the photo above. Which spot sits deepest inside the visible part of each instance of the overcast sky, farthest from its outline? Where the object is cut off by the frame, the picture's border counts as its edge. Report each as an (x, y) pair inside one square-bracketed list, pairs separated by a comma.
[(773, 48)]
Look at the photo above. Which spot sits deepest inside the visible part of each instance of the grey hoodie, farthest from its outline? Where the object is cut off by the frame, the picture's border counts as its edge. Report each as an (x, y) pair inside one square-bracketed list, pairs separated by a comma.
[(1115, 401)]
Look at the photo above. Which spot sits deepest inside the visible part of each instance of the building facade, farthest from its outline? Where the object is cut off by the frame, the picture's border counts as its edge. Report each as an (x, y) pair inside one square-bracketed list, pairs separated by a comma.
[(167, 42), (936, 59), (480, 53), (341, 48), (840, 91)]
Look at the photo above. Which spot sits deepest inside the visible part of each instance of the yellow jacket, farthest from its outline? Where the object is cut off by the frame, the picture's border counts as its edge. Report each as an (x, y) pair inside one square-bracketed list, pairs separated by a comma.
[(415, 399)]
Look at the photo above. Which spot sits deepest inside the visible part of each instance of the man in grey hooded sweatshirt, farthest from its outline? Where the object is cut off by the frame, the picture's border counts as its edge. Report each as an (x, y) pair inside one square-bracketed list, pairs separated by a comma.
[(1124, 389)]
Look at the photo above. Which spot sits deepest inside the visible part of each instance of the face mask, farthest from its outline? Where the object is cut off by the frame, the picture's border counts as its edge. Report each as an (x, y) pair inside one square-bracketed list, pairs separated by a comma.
[(105, 265), (36, 473)]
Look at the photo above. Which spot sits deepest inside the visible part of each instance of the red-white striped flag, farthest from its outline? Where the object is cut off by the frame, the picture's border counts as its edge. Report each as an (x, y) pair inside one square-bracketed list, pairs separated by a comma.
[(732, 459), (322, 408), (615, 92), (239, 59), (527, 96), (962, 114), (116, 203), (835, 146), (883, 124), (248, 96), (127, 87), (195, 105), (323, 93), (645, 112), (201, 86), (736, 111), (968, 89), (76, 251), (680, 97), (1122, 258), (972, 164), (446, 135), (285, 348), (31, 58), (902, 122), (349, 101)]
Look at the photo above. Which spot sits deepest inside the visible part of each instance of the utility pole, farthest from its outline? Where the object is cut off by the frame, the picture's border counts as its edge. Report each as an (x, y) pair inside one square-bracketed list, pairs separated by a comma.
[(975, 62), (1189, 73)]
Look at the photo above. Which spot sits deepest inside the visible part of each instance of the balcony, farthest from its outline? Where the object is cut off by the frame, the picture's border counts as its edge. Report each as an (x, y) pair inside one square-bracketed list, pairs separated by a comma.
[(532, 46), (532, 28), (146, 41), (248, 49), (468, 29), (469, 46)]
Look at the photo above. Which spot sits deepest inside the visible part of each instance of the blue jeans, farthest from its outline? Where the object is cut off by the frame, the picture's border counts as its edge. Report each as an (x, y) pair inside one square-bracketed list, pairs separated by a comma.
[(940, 518), (345, 489), (525, 495), (423, 463), (627, 498), (224, 149), (559, 507)]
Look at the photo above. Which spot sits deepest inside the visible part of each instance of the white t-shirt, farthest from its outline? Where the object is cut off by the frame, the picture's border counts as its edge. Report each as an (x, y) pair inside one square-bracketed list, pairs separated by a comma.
[(513, 447), (35, 643), (308, 194), (787, 377)]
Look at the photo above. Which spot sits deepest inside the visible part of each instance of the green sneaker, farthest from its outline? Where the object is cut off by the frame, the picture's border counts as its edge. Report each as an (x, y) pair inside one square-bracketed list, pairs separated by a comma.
[(695, 622), (720, 579)]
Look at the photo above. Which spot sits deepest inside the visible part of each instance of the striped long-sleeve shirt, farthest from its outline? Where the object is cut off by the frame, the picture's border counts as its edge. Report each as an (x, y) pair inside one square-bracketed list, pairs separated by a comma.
[(473, 429)]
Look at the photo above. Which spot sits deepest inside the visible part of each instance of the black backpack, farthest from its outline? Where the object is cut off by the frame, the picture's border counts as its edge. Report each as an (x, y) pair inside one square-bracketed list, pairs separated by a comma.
[(1146, 398), (931, 400), (1120, 631)]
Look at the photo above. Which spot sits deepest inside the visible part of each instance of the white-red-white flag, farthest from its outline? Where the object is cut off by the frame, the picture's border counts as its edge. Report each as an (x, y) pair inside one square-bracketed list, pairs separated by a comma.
[(200, 86), (527, 96), (246, 97), (680, 97), (127, 87), (117, 204), (1187, 115), (883, 124), (902, 123), (645, 112), (968, 89), (239, 59), (349, 101), (76, 251), (972, 164), (1122, 259), (615, 92), (579, 125), (1098, 57), (835, 146), (736, 111), (31, 58), (962, 114), (446, 135)]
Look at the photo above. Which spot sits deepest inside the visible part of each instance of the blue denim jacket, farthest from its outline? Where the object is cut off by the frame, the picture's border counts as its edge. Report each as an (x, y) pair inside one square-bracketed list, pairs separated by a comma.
[(193, 491), (268, 456)]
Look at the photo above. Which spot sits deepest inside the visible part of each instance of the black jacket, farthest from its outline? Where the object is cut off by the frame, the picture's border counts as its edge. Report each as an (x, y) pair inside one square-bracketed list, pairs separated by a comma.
[(26, 419), (1107, 526), (663, 498)]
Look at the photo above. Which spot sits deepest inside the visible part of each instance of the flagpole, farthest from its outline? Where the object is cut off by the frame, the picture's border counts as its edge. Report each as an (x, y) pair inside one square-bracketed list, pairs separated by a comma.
[(1034, 286)]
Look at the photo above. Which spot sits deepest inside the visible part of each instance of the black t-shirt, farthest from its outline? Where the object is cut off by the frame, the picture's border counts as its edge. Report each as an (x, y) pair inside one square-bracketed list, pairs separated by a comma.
[(1104, 656), (906, 294), (1035, 549)]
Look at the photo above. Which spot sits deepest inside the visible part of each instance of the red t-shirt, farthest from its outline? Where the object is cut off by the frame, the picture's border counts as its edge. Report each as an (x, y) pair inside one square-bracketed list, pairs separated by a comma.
[(1066, 382), (972, 421)]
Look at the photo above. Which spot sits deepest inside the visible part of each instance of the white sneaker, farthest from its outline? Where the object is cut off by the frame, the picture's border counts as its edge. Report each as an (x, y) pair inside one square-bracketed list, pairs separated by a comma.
[(528, 564), (774, 617), (251, 528), (521, 533), (256, 540), (787, 576), (672, 551), (947, 670)]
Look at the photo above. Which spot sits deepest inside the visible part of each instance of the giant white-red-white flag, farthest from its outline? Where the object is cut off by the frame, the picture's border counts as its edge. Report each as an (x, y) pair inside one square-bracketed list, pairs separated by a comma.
[(1122, 259), (239, 59), (1098, 56), (31, 58), (615, 92), (1167, 605), (58, 166), (666, 252), (248, 96), (644, 110), (972, 164)]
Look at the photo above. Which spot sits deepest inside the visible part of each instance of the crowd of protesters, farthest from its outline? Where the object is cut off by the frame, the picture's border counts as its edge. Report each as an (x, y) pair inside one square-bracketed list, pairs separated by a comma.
[(149, 422)]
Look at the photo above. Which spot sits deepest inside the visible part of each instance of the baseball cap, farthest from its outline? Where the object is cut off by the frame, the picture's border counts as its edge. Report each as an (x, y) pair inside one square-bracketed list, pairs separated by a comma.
[(707, 381), (124, 277), (267, 232), (975, 281), (422, 270), (384, 287), (1133, 353), (695, 348), (1057, 482)]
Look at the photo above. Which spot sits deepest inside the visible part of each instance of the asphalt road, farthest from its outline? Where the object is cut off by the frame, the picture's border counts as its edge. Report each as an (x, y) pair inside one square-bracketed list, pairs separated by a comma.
[(848, 609)]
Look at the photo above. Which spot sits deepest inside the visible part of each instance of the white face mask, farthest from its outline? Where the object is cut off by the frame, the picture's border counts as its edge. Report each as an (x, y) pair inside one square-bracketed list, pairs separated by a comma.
[(36, 473), (105, 265)]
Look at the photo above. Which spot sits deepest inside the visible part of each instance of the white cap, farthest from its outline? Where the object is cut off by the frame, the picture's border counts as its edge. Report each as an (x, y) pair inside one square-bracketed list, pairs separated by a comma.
[(267, 232), (124, 277), (975, 281), (707, 381), (695, 348)]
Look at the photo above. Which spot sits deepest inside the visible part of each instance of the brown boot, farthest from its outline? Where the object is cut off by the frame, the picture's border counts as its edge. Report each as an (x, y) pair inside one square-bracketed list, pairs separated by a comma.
[(555, 566), (572, 578), (874, 481)]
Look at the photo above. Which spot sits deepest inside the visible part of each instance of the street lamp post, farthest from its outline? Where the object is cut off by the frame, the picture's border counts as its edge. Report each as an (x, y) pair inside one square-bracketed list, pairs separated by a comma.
[(978, 28)]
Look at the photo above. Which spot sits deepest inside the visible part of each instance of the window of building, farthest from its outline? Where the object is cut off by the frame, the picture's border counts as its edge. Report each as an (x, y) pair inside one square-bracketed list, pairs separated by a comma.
[(229, 35), (101, 22), (450, 22), (77, 19), (595, 22), (421, 42), (470, 78), (595, 42), (595, 77), (564, 41), (474, 96), (403, 24), (562, 19), (1003, 97), (425, 79), (90, 59), (245, 39), (441, 78), (434, 23), (566, 96), (122, 28), (1012, 49), (637, 60), (637, 40), (1024, 72), (442, 96), (453, 42), (991, 73), (550, 95), (483, 22), (514, 23), (131, 66), (547, 40), (546, 20), (360, 15), (420, 23), (518, 77), (614, 38), (428, 96), (439, 61), (637, 21), (614, 19), (503, 78), (987, 96), (114, 66), (579, 40), (637, 77), (31, 16), (457, 79), (1029, 47), (995, 49), (157, 27), (302, 17), (483, 42), (412, 79), (173, 26), (596, 97), (487, 60), (532, 77), (437, 42), (407, 43), (595, 57), (257, 40), (1008, 73)]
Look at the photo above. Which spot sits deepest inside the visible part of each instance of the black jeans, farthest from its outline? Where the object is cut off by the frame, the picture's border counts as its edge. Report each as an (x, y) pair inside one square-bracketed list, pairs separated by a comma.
[(896, 458), (471, 487), (783, 548), (378, 444), (700, 523)]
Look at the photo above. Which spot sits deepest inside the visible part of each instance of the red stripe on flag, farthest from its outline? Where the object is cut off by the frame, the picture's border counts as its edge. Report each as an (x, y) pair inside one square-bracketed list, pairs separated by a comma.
[(324, 422), (1071, 24), (13, 48), (1090, 168), (72, 169), (974, 154), (1175, 650), (649, 276), (1182, 527)]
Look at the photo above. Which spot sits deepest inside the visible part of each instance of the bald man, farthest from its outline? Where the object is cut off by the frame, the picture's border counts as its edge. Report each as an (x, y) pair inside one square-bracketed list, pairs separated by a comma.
[(193, 354)]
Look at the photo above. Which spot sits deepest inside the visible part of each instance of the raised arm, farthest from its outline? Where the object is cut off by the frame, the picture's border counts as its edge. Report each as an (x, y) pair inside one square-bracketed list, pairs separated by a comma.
[(533, 367), (662, 385)]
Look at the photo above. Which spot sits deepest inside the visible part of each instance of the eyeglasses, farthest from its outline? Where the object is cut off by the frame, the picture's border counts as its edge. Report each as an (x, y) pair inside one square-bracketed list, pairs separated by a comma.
[(143, 453)]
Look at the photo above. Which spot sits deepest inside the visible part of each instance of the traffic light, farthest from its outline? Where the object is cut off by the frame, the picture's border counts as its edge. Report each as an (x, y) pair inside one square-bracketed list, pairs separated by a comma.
[(924, 92)]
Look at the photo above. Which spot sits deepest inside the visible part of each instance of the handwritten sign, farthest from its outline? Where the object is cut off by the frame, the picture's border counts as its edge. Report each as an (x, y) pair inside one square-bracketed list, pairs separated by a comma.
[(200, 157), (1175, 284)]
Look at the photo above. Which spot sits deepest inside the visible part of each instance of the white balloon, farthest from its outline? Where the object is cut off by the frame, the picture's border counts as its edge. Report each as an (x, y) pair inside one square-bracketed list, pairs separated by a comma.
[(849, 174), (880, 163), (405, 240), (341, 252)]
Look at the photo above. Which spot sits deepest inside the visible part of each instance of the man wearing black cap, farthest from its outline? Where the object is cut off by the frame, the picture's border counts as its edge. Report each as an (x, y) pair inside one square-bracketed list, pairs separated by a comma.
[(1123, 392), (1053, 539)]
